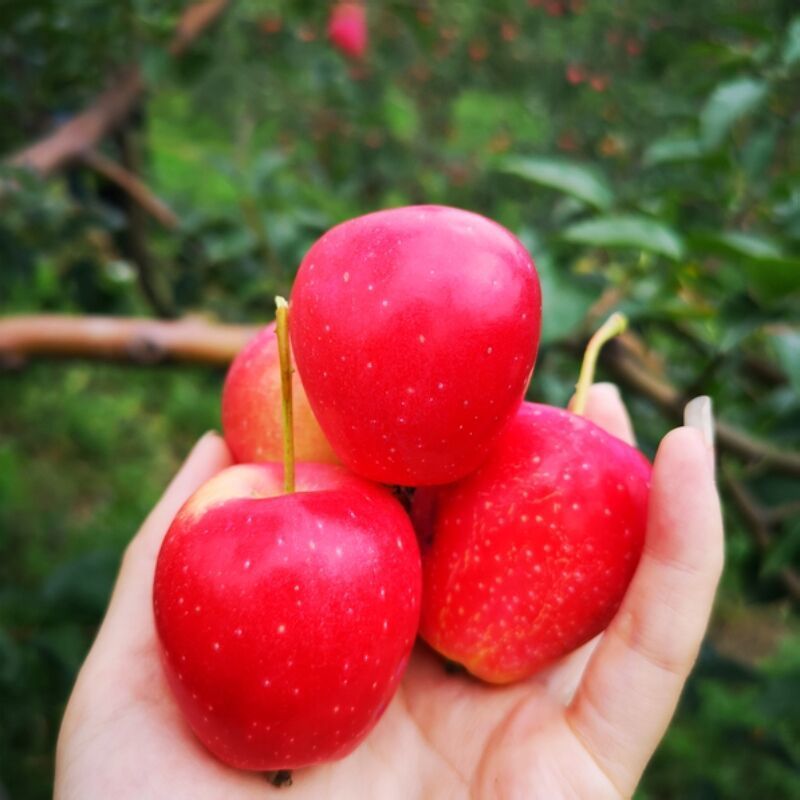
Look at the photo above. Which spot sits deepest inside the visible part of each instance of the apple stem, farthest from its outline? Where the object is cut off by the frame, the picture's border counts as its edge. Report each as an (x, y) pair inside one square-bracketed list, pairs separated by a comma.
[(287, 415), (612, 327)]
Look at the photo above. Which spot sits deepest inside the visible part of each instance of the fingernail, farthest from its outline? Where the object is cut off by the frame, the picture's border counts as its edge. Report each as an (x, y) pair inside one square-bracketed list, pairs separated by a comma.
[(699, 415), (209, 434), (607, 386)]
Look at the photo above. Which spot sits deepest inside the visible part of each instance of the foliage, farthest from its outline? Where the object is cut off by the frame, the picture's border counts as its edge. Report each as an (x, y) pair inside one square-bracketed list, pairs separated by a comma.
[(647, 153)]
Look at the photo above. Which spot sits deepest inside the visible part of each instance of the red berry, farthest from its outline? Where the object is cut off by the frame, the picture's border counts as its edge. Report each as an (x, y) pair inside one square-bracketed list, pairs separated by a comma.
[(529, 557), (575, 74), (415, 332), (347, 28), (251, 407), (286, 620)]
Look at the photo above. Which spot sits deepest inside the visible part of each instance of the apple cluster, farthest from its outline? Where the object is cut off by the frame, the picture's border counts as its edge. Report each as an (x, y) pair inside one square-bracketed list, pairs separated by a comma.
[(286, 618)]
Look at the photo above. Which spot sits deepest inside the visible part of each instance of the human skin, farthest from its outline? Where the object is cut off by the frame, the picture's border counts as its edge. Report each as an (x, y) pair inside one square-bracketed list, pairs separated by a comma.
[(585, 727)]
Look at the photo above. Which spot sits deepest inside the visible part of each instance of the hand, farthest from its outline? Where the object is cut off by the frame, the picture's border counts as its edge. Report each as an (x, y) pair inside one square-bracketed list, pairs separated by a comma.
[(584, 728)]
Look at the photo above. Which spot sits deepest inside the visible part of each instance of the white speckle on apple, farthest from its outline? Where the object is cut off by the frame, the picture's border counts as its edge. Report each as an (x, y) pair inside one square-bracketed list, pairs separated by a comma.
[(215, 647), (281, 628), (346, 277)]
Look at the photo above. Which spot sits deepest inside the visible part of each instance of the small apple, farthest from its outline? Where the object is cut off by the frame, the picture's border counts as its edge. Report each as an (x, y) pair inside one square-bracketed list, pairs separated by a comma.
[(251, 407), (530, 556), (415, 332), (286, 620), (347, 28)]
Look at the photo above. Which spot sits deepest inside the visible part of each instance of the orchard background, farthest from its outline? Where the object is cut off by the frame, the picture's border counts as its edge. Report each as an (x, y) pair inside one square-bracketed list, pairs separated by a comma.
[(648, 154)]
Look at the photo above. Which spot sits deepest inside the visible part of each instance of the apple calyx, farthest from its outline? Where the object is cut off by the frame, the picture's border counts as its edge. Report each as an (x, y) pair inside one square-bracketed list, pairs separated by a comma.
[(613, 326), (287, 417)]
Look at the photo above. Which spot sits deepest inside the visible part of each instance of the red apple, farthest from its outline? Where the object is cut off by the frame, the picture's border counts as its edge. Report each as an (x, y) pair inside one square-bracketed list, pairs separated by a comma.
[(251, 407), (529, 557), (286, 620), (415, 331), (347, 28)]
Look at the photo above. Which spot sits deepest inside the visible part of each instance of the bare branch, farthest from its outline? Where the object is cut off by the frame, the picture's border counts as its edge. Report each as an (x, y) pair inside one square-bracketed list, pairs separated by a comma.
[(620, 356), (110, 109), (758, 524), (133, 185), (126, 339)]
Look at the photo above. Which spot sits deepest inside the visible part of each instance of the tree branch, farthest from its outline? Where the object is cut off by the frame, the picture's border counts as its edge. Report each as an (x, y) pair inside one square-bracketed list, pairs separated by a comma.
[(127, 339), (757, 519), (133, 186), (111, 108), (620, 356)]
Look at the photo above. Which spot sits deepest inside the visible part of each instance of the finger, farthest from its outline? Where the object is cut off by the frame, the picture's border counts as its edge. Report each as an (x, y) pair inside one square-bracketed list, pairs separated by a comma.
[(134, 585), (209, 456), (634, 679), (605, 408)]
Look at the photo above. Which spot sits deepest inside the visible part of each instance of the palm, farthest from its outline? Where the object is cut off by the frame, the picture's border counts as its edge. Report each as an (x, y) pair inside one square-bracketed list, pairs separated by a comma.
[(444, 735), (145, 744)]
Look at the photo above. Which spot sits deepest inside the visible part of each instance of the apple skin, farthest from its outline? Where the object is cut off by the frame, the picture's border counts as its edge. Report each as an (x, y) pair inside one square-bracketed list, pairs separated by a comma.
[(529, 557), (251, 407), (286, 621), (415, 331), (347, 29)]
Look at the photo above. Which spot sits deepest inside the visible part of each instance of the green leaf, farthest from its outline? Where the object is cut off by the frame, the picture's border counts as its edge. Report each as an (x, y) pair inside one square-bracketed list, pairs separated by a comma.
[(628, 230), (787, 348), (728, 103), (784, 552), (671, 149), (774, 277), (770, 273), (566, 176), (401, 115), (749, 245), (565, 300), (791, 47)]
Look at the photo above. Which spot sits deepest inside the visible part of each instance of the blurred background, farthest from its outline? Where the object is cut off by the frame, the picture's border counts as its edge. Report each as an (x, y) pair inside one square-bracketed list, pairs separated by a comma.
[(174, 161)]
